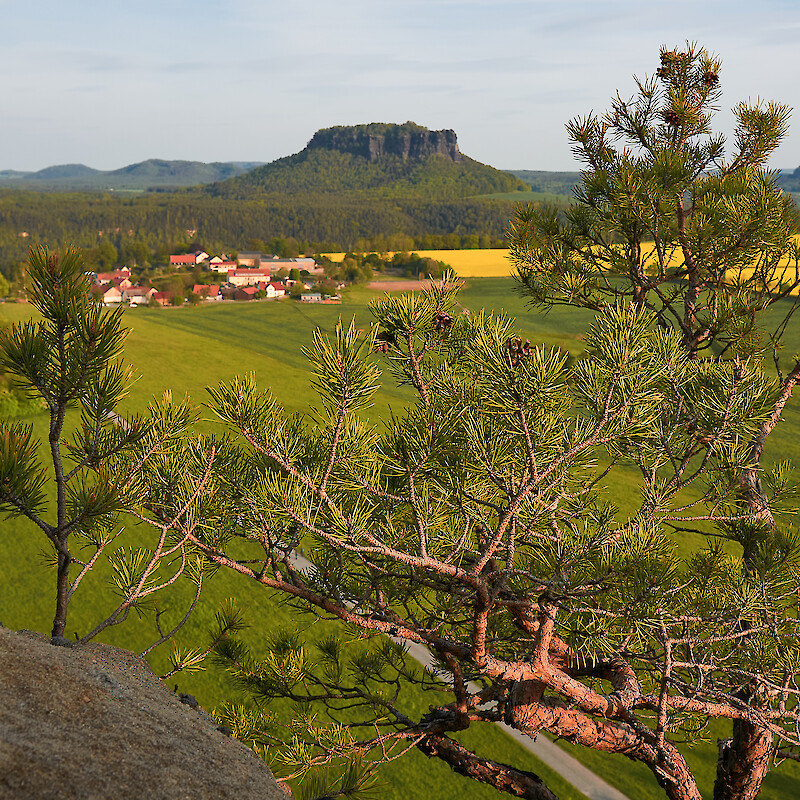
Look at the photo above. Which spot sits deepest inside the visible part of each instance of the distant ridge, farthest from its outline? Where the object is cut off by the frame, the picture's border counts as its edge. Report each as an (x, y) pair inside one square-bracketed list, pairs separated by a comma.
[(563, 182), (560, 183), (151, 174), (66, 171), (790, 181), (356, 145), (377, 160)]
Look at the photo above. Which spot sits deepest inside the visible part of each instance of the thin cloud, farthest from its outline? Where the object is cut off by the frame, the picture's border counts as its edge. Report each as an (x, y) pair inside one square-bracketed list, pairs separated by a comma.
[(505, 74)]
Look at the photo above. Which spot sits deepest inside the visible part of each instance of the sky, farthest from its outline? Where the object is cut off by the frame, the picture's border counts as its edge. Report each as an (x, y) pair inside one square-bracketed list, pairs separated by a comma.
[(112, 83)]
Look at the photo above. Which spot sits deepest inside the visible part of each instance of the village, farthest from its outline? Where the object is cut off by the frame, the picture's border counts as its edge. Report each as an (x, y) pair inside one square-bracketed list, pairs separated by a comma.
[(247, 277)]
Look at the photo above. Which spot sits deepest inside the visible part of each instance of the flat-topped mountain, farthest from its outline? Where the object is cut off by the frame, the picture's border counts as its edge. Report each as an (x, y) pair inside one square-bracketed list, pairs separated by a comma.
[(378, 159), (377, 139)]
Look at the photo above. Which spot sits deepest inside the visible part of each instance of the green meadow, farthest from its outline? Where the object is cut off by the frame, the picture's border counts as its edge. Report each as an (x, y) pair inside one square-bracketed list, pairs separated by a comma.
[(187, 349)]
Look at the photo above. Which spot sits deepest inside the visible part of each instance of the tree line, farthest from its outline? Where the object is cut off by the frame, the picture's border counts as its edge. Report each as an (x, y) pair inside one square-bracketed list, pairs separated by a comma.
[(148, 228)]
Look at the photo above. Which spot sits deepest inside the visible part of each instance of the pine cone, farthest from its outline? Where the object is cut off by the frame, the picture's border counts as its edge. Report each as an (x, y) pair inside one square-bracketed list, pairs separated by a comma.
[(518, 351), (442, 322), (384, 341), (671, 117)]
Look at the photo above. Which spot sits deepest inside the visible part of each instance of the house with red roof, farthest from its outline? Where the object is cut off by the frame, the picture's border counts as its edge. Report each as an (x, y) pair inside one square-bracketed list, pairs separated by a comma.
[(164, 298), (183, 260), (138, 295), (120, 275), (246, 293), (111, 295), (207, 292)]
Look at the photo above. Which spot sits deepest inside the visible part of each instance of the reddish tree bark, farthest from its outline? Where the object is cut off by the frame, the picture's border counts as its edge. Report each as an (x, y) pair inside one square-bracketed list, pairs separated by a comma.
[(516, 782), (743, 762)]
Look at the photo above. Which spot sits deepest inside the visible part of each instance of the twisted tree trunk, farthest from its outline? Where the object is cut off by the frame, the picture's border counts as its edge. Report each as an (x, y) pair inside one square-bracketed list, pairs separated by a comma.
[(743, 761)]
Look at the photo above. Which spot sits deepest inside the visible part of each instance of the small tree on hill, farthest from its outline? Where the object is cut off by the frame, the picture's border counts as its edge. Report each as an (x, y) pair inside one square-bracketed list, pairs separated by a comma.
[(141, 465)]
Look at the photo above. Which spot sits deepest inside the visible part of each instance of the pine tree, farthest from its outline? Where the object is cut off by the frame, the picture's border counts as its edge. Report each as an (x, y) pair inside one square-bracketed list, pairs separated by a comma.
[(479, 525), (664, 218)]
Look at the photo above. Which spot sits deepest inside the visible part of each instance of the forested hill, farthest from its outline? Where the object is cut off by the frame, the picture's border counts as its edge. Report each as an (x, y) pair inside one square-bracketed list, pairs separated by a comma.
[(789, 181), (376, 160), (155, 173), (560, 183)]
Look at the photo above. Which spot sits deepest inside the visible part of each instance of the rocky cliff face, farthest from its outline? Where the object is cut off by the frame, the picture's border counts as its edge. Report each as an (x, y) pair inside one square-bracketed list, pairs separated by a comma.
[(407, 141)]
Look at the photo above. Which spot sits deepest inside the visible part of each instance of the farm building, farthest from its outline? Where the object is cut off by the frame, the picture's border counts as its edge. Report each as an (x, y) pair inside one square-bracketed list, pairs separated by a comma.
[(248, 277)]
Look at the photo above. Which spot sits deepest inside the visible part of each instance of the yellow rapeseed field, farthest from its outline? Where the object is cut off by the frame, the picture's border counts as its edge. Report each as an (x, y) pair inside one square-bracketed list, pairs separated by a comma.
[(495, 263), (785, 270), (466, 263)]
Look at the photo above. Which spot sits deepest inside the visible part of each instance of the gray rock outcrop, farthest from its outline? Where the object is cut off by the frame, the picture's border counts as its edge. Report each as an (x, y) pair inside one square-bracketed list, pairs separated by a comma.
[(407, 141), (92, 722)]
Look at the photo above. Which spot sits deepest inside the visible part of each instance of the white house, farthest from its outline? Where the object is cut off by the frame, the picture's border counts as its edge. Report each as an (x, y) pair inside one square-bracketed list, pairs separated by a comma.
[(112, 295), (248, 277), (138, 295), (222, 266)]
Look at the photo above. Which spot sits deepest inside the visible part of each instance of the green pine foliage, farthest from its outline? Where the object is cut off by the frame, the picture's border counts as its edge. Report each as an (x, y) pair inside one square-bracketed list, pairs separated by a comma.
[(69, 357), (479, 521), (239, 338), (667, 218), (482, 503)]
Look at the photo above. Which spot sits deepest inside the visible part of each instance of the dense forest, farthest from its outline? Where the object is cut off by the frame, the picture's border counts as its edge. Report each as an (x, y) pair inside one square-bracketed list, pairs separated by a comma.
[(147, 228)]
